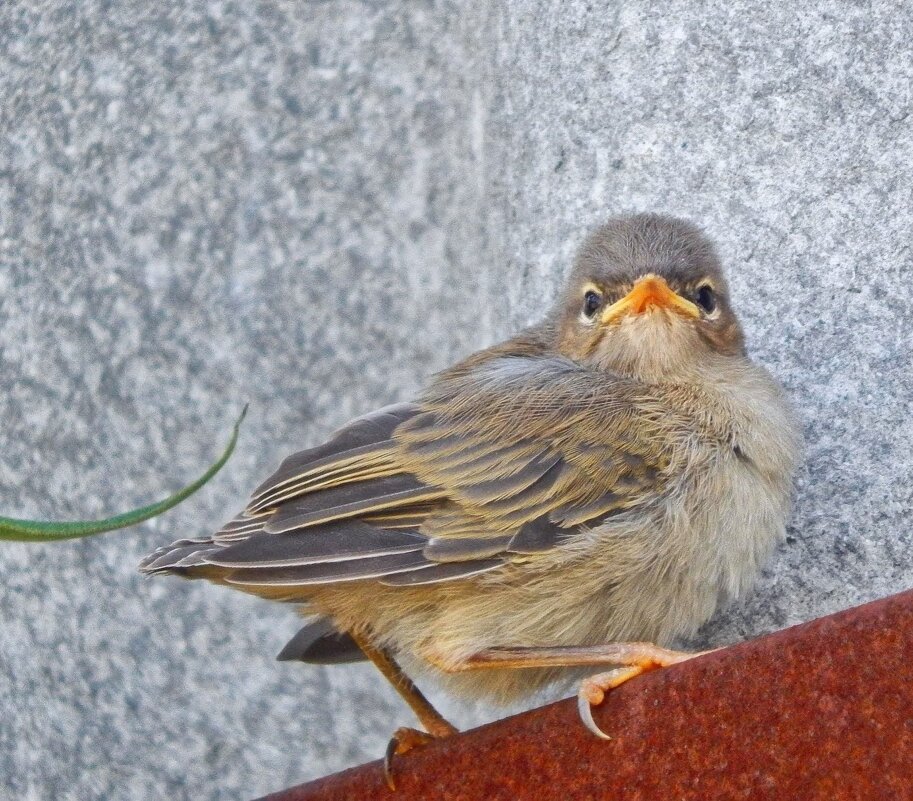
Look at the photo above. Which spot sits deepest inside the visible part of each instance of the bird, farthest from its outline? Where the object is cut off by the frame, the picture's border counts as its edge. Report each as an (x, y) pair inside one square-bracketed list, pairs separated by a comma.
[(576, 497)]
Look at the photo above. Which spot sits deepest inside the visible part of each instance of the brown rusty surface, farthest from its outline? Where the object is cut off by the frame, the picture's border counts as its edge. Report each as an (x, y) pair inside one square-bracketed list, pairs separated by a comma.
[(823, 710)]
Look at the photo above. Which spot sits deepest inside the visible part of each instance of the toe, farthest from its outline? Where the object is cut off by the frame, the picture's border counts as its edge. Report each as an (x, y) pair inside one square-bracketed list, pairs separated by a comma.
[(402, 741), (592, 693)]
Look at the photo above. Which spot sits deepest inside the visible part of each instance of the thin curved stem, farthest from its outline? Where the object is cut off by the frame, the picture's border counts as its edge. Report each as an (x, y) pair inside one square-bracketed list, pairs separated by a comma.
[(14, 529)]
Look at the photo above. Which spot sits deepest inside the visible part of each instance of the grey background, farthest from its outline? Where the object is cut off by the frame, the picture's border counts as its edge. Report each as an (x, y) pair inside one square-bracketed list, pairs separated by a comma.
[(314, 206)]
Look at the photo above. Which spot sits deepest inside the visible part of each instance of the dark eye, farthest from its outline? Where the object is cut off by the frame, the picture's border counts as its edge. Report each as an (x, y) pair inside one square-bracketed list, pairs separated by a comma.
[(706, 299), (591, 303)]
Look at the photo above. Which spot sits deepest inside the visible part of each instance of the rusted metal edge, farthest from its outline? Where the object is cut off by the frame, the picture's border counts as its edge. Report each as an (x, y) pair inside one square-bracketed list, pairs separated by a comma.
[(823, 710)]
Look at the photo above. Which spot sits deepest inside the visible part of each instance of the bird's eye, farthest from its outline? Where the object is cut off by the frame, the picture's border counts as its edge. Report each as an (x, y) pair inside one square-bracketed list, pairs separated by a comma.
[(706, 299), (591, 303)]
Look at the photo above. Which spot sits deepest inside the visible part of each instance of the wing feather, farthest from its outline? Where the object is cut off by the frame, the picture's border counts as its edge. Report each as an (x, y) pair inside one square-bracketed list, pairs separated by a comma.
[(441, 572), (327, 543), (352, 500), (364, 445), (501, 459), (328, 572), (460, 549)]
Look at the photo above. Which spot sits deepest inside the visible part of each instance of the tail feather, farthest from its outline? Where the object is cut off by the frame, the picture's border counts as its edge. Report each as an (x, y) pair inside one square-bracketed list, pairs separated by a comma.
[(319, 643)]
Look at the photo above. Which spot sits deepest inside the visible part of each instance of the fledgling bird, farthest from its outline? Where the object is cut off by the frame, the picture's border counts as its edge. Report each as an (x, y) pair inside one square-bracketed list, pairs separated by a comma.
[(596, 484)]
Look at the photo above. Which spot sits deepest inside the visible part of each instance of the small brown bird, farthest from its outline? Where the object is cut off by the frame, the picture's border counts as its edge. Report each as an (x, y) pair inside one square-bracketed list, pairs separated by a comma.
[(596, 484)]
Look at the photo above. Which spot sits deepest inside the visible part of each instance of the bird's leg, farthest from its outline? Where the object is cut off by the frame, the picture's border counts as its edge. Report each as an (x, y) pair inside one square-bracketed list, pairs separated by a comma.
[(633, 658), (430, 718), (404, 739)]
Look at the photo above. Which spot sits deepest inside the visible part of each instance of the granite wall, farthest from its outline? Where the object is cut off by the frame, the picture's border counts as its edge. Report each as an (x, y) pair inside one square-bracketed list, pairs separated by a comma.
[(313, 207)]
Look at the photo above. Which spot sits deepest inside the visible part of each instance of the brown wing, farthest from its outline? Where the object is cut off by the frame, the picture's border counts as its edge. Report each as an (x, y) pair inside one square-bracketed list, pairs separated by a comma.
[(501, 460)]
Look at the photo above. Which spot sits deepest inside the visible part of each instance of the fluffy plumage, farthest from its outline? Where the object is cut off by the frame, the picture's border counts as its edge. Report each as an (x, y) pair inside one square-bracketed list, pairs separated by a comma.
[(593, 479)]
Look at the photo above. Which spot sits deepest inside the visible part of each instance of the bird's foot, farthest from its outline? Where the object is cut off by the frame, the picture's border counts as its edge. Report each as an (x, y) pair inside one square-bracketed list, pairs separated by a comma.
[(403, 741), (592, 693), (644, 657)]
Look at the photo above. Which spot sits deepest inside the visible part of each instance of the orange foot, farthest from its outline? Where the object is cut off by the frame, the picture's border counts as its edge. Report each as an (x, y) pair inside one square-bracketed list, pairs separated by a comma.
[(403, 741), (644, 657), (593, 689)]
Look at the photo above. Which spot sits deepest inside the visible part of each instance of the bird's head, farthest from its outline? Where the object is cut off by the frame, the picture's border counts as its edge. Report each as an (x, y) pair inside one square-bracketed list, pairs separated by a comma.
[(647, 298)]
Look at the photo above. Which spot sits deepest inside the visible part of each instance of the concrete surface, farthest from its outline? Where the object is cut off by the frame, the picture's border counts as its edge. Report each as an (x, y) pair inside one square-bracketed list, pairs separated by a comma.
[(314, 206)]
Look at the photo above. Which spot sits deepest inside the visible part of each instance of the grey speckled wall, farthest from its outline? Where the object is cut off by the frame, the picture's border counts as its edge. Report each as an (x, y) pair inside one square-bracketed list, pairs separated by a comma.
[(313, 206)]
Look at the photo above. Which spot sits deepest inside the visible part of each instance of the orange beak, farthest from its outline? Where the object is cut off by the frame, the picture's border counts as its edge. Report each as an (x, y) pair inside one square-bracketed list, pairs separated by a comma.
[(649, 292)]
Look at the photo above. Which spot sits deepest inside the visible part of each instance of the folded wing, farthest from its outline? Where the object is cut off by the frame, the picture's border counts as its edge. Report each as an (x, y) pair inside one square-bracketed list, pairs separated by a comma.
[(498, 462)]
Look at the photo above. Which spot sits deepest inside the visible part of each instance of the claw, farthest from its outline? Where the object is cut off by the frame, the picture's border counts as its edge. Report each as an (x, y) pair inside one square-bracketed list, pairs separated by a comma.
[(586, 715), (402, 741), (388, 762), (592, 693)]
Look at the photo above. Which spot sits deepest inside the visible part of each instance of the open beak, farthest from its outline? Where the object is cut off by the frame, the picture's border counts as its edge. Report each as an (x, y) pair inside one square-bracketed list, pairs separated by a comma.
[(649, 292)]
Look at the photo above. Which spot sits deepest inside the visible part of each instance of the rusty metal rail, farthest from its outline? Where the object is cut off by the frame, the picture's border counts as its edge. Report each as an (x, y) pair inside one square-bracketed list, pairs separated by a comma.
[(823, 710)]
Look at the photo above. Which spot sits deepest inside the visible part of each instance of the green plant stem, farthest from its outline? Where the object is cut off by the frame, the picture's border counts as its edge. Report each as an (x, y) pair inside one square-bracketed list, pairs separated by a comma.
[(13, 529)]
